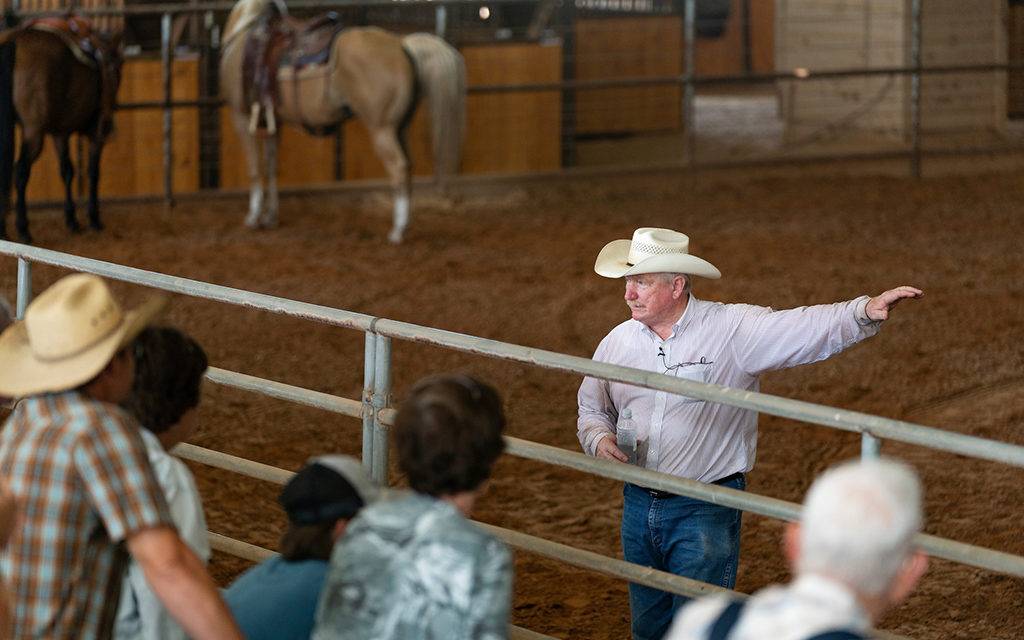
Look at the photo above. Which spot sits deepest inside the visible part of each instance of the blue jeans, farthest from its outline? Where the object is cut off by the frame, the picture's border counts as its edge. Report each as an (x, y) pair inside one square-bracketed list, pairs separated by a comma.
[(681, 535)]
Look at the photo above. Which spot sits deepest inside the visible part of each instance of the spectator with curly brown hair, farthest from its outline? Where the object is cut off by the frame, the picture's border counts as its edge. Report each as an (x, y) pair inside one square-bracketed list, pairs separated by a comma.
[(414, 567), (164, 398)]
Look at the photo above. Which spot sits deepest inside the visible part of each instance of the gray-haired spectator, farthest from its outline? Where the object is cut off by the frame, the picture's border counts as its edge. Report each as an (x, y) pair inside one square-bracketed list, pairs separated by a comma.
[(853, 555), (276, 599)]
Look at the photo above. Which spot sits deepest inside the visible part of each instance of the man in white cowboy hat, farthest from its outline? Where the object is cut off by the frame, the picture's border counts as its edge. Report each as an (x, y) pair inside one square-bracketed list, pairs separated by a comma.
[(673, 332), (79, 467)]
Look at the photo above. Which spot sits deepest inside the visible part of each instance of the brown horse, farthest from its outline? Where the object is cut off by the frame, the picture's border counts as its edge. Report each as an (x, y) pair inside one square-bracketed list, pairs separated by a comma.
[(365, 71), (57, 77)]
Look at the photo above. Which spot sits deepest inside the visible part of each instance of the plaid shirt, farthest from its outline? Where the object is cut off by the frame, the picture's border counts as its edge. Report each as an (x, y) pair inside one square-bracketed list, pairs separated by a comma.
[(80, 469)]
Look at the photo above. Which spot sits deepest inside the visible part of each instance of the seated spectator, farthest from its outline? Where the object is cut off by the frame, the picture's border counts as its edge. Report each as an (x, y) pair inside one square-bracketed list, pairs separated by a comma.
[(9, 517), (854, 558), (169, 369), (6, 320), (414, 567), (276, 599), (78, 466)]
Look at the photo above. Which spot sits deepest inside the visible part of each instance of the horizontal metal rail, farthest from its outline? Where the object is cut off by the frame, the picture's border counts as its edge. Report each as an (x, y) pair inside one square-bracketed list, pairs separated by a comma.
[(843, 419), (564, 553), (795, 409), (960, 552)]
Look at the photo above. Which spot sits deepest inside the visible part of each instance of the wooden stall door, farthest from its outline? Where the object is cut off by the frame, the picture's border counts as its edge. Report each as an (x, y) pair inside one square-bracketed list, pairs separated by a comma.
[(628, 47), (515, 131)]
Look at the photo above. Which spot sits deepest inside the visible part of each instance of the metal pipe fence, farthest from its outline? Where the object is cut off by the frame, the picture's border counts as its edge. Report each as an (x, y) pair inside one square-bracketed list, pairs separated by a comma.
[(691, 156), (377, 415)]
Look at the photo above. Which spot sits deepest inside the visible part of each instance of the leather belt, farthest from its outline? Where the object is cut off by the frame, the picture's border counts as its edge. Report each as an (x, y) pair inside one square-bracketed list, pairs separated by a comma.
[(663, 495)]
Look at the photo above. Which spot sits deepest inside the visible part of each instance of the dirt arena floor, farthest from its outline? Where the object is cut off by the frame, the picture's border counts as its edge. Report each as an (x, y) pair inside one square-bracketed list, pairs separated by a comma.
[(513, 262)]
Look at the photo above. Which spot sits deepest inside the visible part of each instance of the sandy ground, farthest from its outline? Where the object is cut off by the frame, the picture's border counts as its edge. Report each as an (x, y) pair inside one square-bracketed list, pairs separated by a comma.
[(513, 262)]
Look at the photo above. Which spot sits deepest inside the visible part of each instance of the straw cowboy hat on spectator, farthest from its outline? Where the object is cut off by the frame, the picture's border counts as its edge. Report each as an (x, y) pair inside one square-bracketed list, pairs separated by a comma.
[(68, 335), (652, 250)]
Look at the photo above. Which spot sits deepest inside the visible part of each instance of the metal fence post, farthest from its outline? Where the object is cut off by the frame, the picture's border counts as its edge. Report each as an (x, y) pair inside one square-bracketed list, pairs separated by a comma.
[(915, 90), (369, 367), (689, 124), (381, 400), (167, 61), (24, 286), (870, 447)]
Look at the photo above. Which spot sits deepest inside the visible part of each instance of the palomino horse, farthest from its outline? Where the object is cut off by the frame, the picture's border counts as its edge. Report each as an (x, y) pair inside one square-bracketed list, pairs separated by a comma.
[(57, 77), (268, 75)]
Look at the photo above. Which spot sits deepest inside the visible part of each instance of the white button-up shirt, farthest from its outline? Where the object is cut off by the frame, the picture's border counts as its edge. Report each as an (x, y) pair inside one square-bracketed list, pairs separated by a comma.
[(725, 344), (809, 606)]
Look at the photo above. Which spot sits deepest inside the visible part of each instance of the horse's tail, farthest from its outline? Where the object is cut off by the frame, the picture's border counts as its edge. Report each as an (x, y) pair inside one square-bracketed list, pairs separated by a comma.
[(8, 117), (441, 72)]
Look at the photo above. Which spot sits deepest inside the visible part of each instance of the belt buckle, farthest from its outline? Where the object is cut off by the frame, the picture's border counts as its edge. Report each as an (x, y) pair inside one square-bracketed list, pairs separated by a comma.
[(659, 494)]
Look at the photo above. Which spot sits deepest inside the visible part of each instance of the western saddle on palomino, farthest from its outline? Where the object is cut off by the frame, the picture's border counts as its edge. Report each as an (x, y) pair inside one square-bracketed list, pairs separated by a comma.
[(279, 40)]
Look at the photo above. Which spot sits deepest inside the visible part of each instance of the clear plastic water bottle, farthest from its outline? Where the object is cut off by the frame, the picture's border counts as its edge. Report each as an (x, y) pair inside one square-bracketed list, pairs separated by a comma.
[(625, 435)]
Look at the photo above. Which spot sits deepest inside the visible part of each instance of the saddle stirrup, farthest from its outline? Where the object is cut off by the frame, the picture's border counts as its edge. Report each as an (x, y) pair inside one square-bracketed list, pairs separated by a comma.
[(254, 117)]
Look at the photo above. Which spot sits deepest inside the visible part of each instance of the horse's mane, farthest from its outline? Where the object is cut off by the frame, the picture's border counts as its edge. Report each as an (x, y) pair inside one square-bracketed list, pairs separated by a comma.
[(242, 15)]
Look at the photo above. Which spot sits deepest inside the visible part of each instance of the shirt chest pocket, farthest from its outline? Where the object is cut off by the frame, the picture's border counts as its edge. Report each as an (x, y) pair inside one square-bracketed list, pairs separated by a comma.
[(695, 371)]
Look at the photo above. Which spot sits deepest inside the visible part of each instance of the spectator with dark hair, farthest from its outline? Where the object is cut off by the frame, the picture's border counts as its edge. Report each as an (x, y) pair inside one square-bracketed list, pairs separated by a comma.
[(276, 599), (853, 554), (414, 567), (78, 464), (169, 368)]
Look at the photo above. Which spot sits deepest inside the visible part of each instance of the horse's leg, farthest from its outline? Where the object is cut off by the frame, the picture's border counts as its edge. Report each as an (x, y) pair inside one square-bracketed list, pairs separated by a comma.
[(388, 145), (251, 148), (95, 151), (271, 143), (31, 147), (67, 175)]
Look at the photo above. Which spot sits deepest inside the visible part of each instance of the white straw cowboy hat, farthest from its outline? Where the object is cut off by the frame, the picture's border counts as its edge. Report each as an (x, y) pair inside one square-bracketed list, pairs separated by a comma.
[(652, 250), (69, 334)]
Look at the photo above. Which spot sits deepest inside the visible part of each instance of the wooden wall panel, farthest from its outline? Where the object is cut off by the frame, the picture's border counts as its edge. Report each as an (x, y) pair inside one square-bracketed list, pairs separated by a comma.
[(513, 131), (762, 36), (1015, 49), (724, 55), (820, 35), (628, 47), (133, 162)]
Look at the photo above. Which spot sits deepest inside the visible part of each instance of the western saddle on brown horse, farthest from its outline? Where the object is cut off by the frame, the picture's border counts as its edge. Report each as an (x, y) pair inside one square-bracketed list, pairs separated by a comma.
[(90, 49), (276, 41)]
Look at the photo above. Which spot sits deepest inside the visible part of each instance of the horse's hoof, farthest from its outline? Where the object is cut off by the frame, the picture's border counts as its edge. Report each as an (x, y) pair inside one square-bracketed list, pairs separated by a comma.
[(25, 238), (395, 237), (96, 226)]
